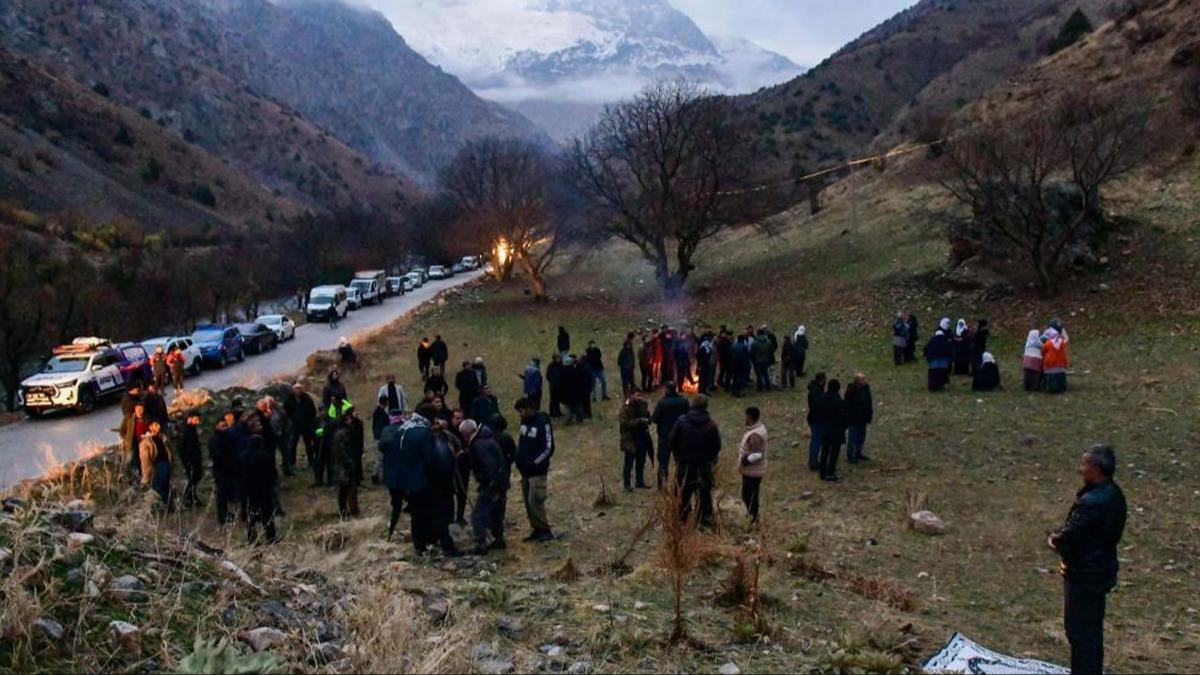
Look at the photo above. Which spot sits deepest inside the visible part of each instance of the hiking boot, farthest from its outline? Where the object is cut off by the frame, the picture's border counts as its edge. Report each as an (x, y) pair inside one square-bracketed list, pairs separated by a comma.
[(479, 550), (544, 536), (532, 536)]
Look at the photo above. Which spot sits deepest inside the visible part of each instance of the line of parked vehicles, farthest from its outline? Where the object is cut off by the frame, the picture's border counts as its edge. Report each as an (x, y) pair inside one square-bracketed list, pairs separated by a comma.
[(79, 375)]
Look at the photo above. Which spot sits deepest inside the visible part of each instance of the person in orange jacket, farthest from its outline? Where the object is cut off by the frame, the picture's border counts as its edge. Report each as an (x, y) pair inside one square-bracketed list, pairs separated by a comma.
[(175, 362), (1055, 360)]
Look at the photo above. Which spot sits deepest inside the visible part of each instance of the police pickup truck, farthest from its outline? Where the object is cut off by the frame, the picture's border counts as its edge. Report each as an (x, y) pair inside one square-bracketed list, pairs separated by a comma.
[(78, 375)]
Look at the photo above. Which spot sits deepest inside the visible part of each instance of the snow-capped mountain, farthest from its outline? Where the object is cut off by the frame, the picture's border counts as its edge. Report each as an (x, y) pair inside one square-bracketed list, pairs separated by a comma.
[(556, 59)]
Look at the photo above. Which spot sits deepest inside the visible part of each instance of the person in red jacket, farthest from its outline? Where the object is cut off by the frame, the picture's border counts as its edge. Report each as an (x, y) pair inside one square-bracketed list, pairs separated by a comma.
[(176, 364), (1055, 360)]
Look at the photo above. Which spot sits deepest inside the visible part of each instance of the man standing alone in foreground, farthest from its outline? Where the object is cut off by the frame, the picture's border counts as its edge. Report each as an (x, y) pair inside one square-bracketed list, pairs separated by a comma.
[(1087, 543), (534, 449), (695, 443)]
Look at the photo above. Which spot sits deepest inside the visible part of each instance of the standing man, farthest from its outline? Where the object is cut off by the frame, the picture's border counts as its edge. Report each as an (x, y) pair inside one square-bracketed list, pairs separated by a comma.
[(260, 489), (302, 412), (910, 347), (860, 412), (224, 453), (491, 477), (635, 439), (408, 451), (156, 406), (157, 463), (666, 413), (424, 358), (695, 442), (899, 338), (625, 363), (646, 364), (133, 428), (595, 361), (564, 341), (158, 365), (752, 460), (175, 362), (397, 401), (531, 382), (192, 460), (484, 407), (833, 418), (439, 353), (555, 373), (1087, 543), (800, 342), (725, 359), (535, 447), (467, 385), (816, 422)]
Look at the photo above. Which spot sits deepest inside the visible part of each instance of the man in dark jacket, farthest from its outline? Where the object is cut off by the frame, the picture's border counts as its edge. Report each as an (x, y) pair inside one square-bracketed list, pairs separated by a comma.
[(899, 338), (595, 361), (645, 357), (554, 378), (910, 347), (979, 343), (439, 353), (724, 347), (224, 452), (491, 472), (564, 341), (833, 431), (192, 461), (816, 425), (740, 353), (666, 343), (635, 439), (259, 488), (156, 406), (424, 357), (1087, 543), (695, 442), (406, 449), (860, 412), (467, 385), (346, 449), (535, 447), (626, 362), (484, 406), (939, 353), (302, 412), (437, 382), (666, 413)]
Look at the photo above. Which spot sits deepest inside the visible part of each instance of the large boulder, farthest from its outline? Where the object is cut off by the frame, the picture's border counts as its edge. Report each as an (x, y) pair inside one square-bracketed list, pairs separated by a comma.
[(927, 522)]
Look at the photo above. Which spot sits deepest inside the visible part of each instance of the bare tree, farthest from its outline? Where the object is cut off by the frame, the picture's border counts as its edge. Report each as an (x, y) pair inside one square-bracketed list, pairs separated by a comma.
[(657, 172), (1007, 171), (501, 187)]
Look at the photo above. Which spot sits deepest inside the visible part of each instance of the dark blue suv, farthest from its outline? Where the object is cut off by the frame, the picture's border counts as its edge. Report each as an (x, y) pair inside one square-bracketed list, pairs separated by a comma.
[(218, 344)]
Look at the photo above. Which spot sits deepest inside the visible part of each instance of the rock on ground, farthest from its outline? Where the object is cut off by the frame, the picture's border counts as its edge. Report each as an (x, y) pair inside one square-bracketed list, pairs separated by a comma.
[(127, 587), (49, 628), (730, 668), (485, 659), (264, 637), (927, 522), (126, 637)]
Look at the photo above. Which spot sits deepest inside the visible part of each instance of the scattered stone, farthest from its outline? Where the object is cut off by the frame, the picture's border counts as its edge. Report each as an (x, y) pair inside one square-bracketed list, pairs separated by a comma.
[(93, 591), (559, 636), (485, 659), (601, 608), (639, 606), (279, 613), (78, 505), (75, 577), (922, 575), (230, 617), (927, 522), (327, 652), (5, 554), (512, 627), (436, 609), (127, 587), (264, 637), (553, 651), (806, 495), (49, 628), (75, 521), (126, 637), (580, 668), (198, 587), (730, 668), (238, 573), (80, 539)]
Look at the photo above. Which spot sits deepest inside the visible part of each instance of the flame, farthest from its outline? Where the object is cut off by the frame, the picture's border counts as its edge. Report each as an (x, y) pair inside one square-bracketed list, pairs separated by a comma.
[(690, 386), (503, 251)]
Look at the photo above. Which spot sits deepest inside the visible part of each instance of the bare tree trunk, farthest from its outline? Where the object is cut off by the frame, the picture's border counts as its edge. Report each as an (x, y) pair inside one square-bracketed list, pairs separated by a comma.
[(537, 282)]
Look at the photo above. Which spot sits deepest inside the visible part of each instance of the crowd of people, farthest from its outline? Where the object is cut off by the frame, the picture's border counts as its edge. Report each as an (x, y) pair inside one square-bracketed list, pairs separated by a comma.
[(963, 351)]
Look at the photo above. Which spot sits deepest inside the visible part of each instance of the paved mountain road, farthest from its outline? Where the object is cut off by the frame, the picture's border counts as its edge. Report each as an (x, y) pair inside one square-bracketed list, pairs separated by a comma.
[(30, 447)]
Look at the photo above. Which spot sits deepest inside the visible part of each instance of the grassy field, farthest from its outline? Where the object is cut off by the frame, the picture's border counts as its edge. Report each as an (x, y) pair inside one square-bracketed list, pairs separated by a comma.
[(845, 585), (999, 468)]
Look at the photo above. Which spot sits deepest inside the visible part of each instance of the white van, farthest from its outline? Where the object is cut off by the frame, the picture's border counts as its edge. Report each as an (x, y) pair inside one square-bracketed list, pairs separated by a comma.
[(371, 285), (323, 300)]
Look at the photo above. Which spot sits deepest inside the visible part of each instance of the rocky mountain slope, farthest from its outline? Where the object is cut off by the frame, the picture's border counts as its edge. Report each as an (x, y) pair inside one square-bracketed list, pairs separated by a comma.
[(556, 59), (902, 78)]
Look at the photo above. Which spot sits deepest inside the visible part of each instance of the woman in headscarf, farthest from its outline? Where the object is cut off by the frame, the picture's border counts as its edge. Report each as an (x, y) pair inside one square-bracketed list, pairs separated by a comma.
[(1055, 361), (963, 348), (800, 345), (1031, 361), (987, 375), (938, 354)]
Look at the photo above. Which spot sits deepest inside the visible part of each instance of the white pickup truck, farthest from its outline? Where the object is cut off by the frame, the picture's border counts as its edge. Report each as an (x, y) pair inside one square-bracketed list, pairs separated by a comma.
[(81, 373)]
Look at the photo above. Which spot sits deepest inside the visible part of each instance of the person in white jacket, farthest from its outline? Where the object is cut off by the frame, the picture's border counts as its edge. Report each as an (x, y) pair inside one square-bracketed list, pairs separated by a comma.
[(397, 402)]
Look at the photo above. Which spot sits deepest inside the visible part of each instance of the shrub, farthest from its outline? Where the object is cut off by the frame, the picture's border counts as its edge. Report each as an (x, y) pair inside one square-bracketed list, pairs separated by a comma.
[(1076, 27), (202, 193), (101, 88), (123, 137), (151, 171)]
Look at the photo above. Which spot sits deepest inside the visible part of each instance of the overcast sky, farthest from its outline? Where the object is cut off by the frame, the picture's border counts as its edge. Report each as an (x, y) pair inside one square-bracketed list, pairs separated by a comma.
[(806, 31)]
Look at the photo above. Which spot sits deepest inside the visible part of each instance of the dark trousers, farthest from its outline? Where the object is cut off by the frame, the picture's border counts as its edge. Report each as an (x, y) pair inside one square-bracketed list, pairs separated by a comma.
[(741, 378), (830, 450), (626, 381), (462, 478), (261, 511), (800, 358), (310, 444), (347, 500), (1033, 379), (398, 498), (910, 349), (814, 446), (536, 399), (695, 481), (488, 514), (762, 377), (555, 403), (161, 483), (724, 375), (431, 521), (787, 376), (897, 354), (1083, 619), (322, 467), (647, 376), (226, 493), (937, 379), (750, 489), (191, 491), (633, 459), (856, 439), (664, 461)]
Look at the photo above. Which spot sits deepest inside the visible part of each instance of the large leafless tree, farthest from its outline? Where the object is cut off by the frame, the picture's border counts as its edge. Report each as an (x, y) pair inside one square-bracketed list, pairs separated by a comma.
[(502, 189), (1004, 169), (657, 172)]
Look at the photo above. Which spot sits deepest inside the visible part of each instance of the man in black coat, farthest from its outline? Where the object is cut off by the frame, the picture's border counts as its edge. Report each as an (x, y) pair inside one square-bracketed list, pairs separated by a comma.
[(554, 379), (833, 430), (302, 412), (467, 385), (259, 488), (535, 447), (666, 413), (816, 423), (156, 406), (225, 454), (424, 357), (564, 341), (860, 412), (439, 352), (192, 461), (491, 471), (910, 347), (695, 442), (1087, 543)]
